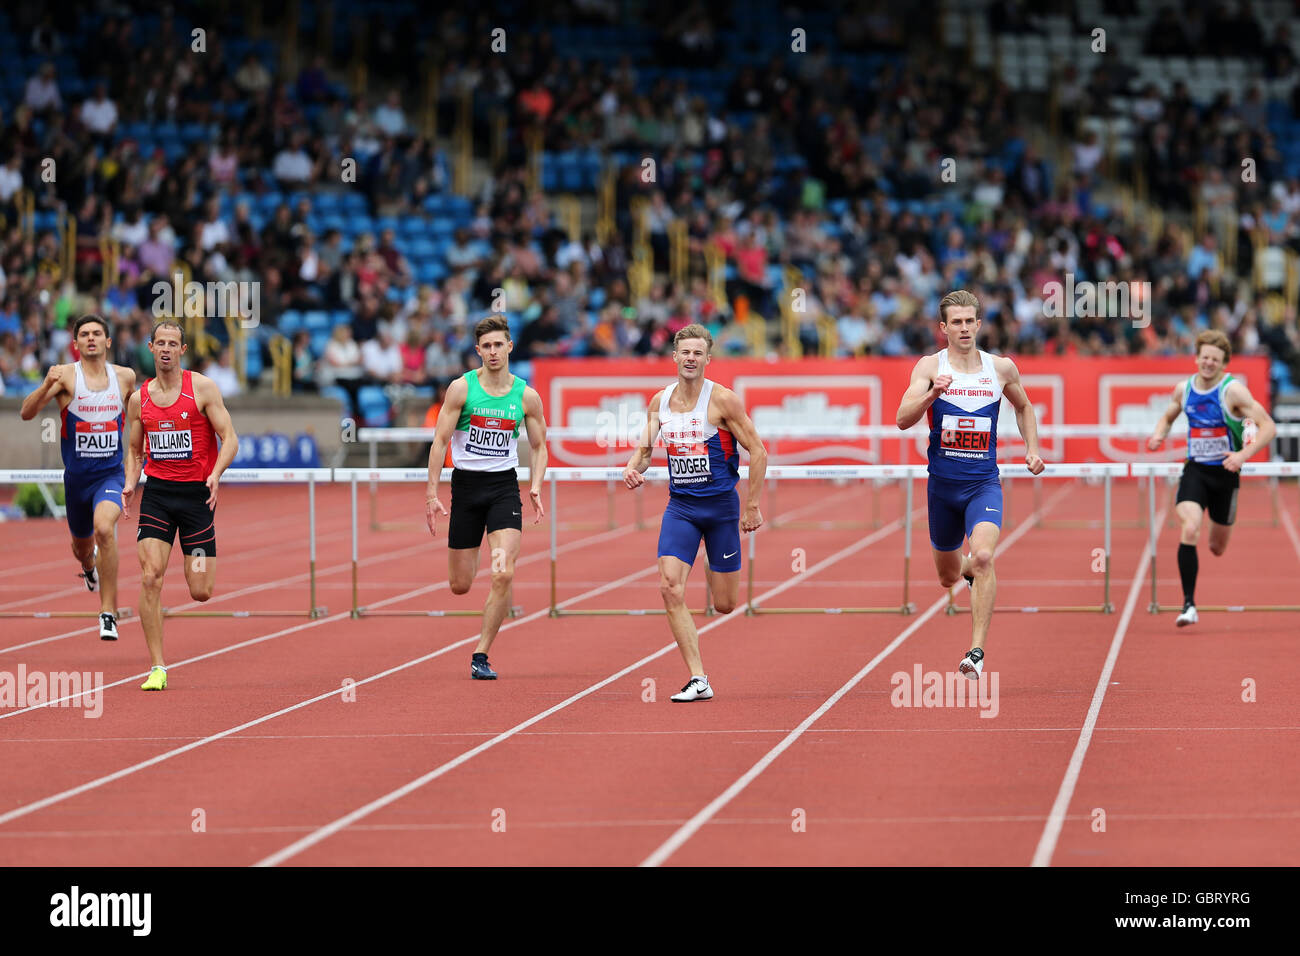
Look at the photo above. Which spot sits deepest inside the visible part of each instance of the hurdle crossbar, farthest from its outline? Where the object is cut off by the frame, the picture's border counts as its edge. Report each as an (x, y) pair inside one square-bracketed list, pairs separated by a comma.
[(307, 476)]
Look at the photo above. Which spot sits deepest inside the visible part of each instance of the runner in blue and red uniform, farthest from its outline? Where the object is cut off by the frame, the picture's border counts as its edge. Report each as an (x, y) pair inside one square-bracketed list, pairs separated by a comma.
[(1218, 408), (960, 390), (701, 424), (92, 396), (176, 418)]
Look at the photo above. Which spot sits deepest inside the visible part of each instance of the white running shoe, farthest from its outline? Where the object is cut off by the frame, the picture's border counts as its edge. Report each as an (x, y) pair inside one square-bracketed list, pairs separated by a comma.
[(107, 627), (92, 577), (1188, 616), (972, 664), (697, 688)]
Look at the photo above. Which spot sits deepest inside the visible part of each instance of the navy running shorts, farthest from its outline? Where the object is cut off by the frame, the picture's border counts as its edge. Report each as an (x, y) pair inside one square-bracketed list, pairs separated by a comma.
[(713, 518), (957, 506)]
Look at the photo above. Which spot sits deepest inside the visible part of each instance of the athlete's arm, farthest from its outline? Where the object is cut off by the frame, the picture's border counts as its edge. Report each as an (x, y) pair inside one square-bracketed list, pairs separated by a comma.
[(644, 453), (134, 452), (207, 396), (925, 387), (535, 422), (54, 384), (1026, 420), (736, 420), (452, 405), (1243, 405), (126, 383), (1166, 421)]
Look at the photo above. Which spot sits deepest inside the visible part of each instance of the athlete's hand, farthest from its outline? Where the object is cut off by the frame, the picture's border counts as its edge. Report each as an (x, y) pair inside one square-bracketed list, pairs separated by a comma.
[(212, 482), (52, 376), (433, 507), (940, 385), (633, 478), (1234, 461), (535, 496), (1155, 441), (1034, 464), (127, 492), (752, 519)]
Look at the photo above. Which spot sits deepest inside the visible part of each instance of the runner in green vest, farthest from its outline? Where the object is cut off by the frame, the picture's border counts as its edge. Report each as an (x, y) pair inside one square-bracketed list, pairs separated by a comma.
[(480, 420), (1218, 444)]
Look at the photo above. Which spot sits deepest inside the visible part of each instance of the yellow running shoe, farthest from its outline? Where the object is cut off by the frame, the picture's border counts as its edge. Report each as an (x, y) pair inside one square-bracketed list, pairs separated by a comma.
[(157, 679)]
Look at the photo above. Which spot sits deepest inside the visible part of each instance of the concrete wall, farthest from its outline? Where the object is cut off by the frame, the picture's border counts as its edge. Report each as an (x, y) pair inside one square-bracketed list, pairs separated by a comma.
[(21, 444)]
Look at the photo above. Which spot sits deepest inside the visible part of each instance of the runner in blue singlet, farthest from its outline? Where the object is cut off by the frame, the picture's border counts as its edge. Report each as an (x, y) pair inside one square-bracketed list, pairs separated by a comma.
[(92, 395), (960, 391), (701, 424)]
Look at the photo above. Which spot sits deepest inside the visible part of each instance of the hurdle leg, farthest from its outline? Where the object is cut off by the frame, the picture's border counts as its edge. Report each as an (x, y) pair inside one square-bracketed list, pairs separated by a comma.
[(1154, 606), (908, 606), (1106, 606), (374, 487), (554, 551), (356, 611)]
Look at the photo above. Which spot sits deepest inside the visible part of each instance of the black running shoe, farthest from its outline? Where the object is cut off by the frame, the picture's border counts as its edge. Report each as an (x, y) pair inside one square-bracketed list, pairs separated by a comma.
[(479, 669)]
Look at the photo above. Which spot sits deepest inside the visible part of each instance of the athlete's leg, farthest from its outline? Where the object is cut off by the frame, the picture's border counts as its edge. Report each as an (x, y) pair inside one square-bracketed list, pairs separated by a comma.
[(983, 542), (80, 514), (722, 545), (504, 544), (462, 566), (1189, 517), (672, 586), (945, 514), (200, 574), (949, 564), (724, 586), (106, 515), (154, 554), (83, 549)]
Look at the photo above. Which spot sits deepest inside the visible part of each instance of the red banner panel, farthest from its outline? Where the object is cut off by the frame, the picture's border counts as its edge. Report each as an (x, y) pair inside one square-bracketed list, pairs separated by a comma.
[(803, 409)]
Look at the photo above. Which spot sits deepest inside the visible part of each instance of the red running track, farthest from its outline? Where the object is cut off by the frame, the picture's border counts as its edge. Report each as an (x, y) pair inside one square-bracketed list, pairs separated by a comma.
[(567, 761)]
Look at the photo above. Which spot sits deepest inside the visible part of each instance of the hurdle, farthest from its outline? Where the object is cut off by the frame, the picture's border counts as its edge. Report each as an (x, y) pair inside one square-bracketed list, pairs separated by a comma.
[(389, 476), (1170, 470), (307, 476)]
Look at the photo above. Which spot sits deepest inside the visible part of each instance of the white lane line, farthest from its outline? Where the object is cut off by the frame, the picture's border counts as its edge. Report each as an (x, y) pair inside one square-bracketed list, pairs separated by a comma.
[(687, 830), (1056, 817), (379, 803), (539, 556)]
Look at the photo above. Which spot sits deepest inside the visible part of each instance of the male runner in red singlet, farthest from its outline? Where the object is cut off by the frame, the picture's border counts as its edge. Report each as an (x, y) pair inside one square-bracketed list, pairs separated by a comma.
[(92, 396), (176, 419)]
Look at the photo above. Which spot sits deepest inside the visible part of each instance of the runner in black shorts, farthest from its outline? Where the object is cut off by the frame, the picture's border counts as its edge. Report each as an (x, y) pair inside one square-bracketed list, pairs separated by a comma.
[(1221, 414), (480, 419), (178, 417), (171, 508), (482, 501)]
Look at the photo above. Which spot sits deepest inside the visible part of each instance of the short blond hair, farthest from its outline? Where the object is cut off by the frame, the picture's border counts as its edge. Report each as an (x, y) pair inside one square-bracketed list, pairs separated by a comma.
[(693, 331), (1218, 340), (958, 297)]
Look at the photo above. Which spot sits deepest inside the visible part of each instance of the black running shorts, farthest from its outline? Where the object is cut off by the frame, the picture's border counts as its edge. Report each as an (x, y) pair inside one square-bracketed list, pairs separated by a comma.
[(483, 501), (168, 507), (1212, 487)]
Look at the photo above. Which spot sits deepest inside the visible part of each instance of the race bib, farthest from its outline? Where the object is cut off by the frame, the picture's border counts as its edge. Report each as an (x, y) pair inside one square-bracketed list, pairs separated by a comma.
[(490, 437), (965, 435), (169, 443), (96, 439), (689, 464), (1208, 443)]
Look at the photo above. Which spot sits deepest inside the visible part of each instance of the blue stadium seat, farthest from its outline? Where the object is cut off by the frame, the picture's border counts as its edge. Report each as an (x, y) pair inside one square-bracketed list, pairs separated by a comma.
[(375, 408), (339, 395), (317, 320), (340, 317), (253, 359)]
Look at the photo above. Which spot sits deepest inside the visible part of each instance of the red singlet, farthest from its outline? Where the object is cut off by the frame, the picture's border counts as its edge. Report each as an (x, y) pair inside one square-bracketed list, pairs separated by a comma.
[(179, 442)]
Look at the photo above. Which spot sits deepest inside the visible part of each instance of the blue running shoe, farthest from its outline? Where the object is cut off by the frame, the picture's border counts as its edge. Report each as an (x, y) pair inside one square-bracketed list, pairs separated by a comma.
[(479, 669)]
